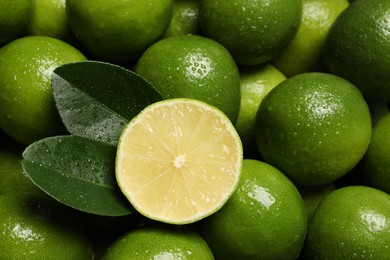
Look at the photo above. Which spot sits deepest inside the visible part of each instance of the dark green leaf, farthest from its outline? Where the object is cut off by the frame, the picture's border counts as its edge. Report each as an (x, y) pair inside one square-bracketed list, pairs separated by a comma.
[(97, 99), (78, 172)]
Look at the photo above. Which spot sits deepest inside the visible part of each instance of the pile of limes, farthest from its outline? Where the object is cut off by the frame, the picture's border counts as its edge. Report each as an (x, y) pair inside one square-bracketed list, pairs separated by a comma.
[(272, 140)]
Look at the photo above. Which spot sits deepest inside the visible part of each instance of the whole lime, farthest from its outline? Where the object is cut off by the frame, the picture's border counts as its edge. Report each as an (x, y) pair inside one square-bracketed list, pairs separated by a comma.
[(357, 47), (185, 19), (27, 109), (314, 127), (49, 19), (33, 228), (193, 66), (159, 242), (255, 83), (118, 31), (253, 31), (264, 219), (14, 19), (375, 164), (304, 52), (350, 223)]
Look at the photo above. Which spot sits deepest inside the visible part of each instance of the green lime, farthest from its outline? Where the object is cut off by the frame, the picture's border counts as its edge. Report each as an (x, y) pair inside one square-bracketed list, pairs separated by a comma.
[(314, 127), (49, 19), (304, 53), (255, 82), (253, 31), (159, 242), (185, 19), (313, 195), (375, 164), (118, 31), (27, 109), (350, 223), (33, 228), (14, 19), (193, 66), (264, 219), (357, 47), (12, 177)]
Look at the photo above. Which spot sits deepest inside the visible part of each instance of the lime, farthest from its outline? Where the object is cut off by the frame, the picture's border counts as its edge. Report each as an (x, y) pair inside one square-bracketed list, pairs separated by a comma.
[(14, 19), (255, 82), (159, 242), (375, 164), (304, 53), (12, 177), (193, 66), (49, 19), (253, 31), (185, 19), (313, 195), (350, 223), (179, 160), (357, 47), (264, 219), (27, 109), (118, 31), (314, 127), (33, 228)]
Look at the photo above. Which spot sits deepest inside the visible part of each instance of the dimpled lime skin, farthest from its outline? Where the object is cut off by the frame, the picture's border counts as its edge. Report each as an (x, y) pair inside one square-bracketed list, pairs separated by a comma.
[(33, 228), (118, 31), (159, 242), (254, 31), (27, 109), (264, 219), (375, 164), (314, 127), (192, 66), (14, 19), (350, 223), (357, 48)]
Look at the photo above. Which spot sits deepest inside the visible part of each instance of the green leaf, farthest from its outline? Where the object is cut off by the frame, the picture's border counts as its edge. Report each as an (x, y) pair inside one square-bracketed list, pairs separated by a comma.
[(96, 99), (77, 171)]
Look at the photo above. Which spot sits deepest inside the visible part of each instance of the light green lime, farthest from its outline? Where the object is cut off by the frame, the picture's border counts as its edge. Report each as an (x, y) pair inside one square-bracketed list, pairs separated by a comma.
[(27, 109), (255, 82), (264, 219), (159, 242), (314, 127), (304, 52), (350, 223), (33, 228), (192, 66)]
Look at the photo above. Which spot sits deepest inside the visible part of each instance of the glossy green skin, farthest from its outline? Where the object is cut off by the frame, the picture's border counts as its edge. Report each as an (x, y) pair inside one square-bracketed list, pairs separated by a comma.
[(264, 219), (185, 19), (161, 242), (254, 31), (350, 223), (375, 164), (314, 127), (193, 66), (27, 109), (357, 48), (118, 31), (33, 228)]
